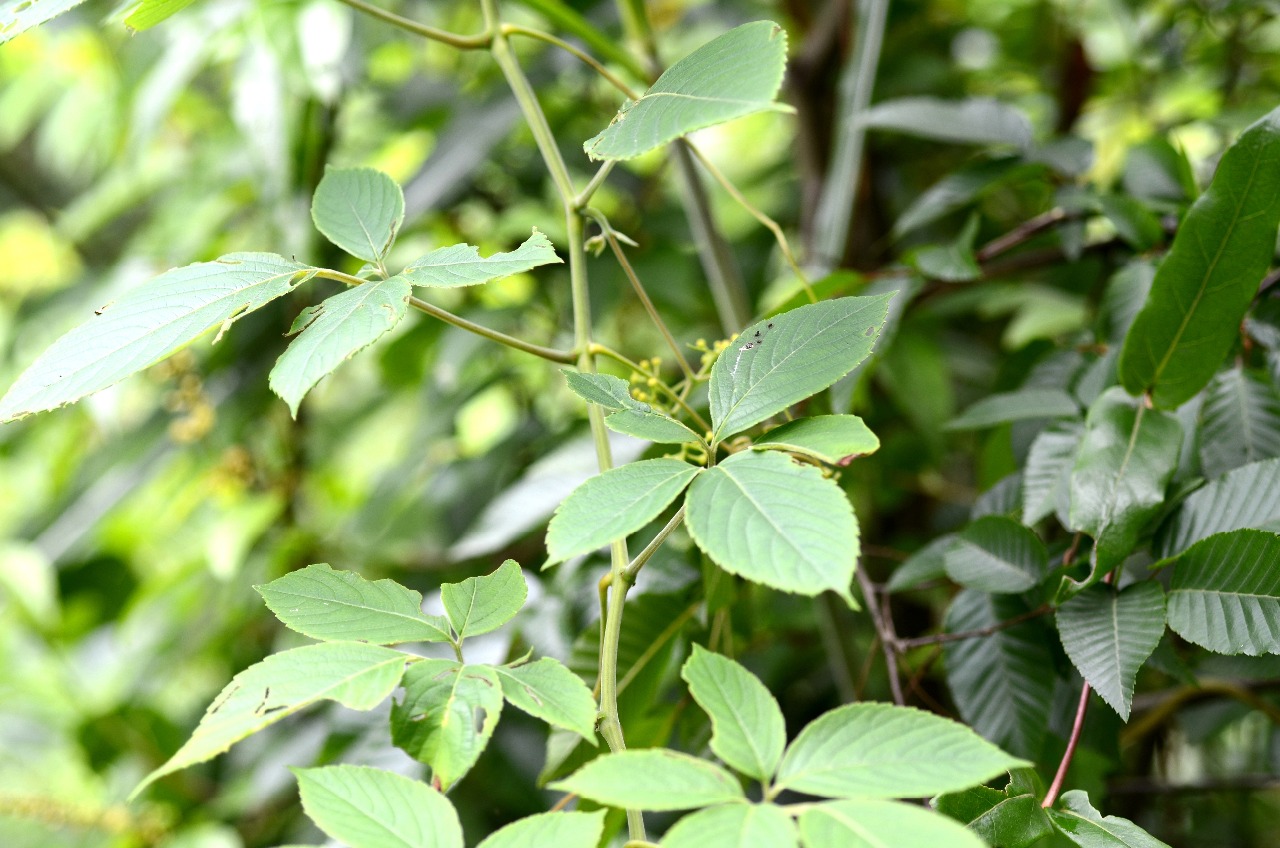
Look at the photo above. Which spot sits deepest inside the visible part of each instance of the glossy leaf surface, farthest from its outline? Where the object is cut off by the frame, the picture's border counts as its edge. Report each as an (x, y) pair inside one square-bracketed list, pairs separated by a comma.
[(1225, 593), (1109, 635)]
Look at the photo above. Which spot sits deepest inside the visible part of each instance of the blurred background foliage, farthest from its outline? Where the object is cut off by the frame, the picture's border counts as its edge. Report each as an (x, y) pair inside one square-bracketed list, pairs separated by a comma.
[(134, 525)]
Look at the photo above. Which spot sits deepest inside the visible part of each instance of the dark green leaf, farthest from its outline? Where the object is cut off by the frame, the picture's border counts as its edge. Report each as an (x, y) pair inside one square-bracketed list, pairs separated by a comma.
[(1002, 820), (1205, 284), (1109, 635), (1046, 479), (1003, 682), (1239, 422), (1225, 594), (448, 714), (1127, 457), (333, 605), (774, 521), (1249, 496), (928, 563), (997, 554), (735, 74), (1022, 405), (781, 361), (953, 262)]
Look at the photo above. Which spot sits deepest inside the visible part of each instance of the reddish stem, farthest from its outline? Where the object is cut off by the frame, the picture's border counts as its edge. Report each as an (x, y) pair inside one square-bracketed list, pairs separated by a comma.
[(1054, 788)]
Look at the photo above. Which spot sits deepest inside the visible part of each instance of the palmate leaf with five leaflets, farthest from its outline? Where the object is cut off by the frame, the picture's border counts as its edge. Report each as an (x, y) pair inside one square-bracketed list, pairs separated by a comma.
[(1205, 284), (335, 331), (774, 521), (354, 674), (1110, 634), (148, 324), (330, 605), (733, 75), (370, 808), (785, 359), (360, 210)]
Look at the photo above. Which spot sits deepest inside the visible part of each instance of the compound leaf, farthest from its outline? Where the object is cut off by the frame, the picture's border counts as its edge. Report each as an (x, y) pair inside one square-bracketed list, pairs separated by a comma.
[(448, 715)]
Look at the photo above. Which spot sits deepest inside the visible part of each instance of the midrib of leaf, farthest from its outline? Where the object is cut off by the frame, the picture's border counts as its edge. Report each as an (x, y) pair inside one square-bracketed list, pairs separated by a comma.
[(750, 737), (853, 825), (362, 606), (355, 213), (1124, 467), (1100, 825), (322, 335), (1203, 287), (769, 519), (1242, 398)]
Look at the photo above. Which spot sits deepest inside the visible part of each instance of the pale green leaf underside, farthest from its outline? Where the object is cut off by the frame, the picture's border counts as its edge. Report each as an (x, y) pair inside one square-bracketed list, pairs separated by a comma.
[(733, 75), (652, 779), (650, 425), (462, 264), (766, 518), (873, 750), (833, 439), (354, 674), (996, 554), (610, 392), (17, 17), (978, 120), (369, 808), (148, 13), (1022, 405), (1225, 594), (148, 324), (358, 209), (614, 504), (341, 327), (553, 830), (1108, 637), (783, 360), (1249, 496), (747, 728), (483, 604), (867, 823), (322, 603), (1077, 820), (546, 690), (448, 715), (734, 826)]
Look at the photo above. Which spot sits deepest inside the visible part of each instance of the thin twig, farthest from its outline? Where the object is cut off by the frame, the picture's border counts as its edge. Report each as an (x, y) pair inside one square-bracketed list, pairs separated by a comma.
[(582, 56), (461, 42), (941, 638), (885, 632), (1020, 234), (633, 568), (1077, 726)]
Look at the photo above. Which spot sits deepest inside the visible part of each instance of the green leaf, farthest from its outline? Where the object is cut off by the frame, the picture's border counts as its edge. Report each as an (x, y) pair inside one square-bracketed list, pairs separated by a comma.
[(369, 808), (652, 779), (1156, 170), (18, 17), (953, 262), (734, 826), (1126, 459), (1249, 496), (1204, 286), (148, 324), (148, 13), (613, 393), (335, 331), (651, 425), (997, 554), (747, 729), (333, 606), (960, 188), (552, 830), (978, 120), (1225, 594), (928, 563), (462, 265), (1109, 635), (773, 521), (883, 751), (1134, 222), (1005, 819), (1239, 422), (448, 715), (866, 823), (614, 504), (1022, 405), (482, 604), (1077, 820), (786, 359), (355, 675), (833, 439), (1046, 479), (547, 690), (360, 210), (1003, 682), (736, 74)]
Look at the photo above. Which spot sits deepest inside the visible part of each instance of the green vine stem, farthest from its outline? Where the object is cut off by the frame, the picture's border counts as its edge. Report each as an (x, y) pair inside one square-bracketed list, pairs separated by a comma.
[(580, 55), (461, 42), (633, 568), (564, 357)]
